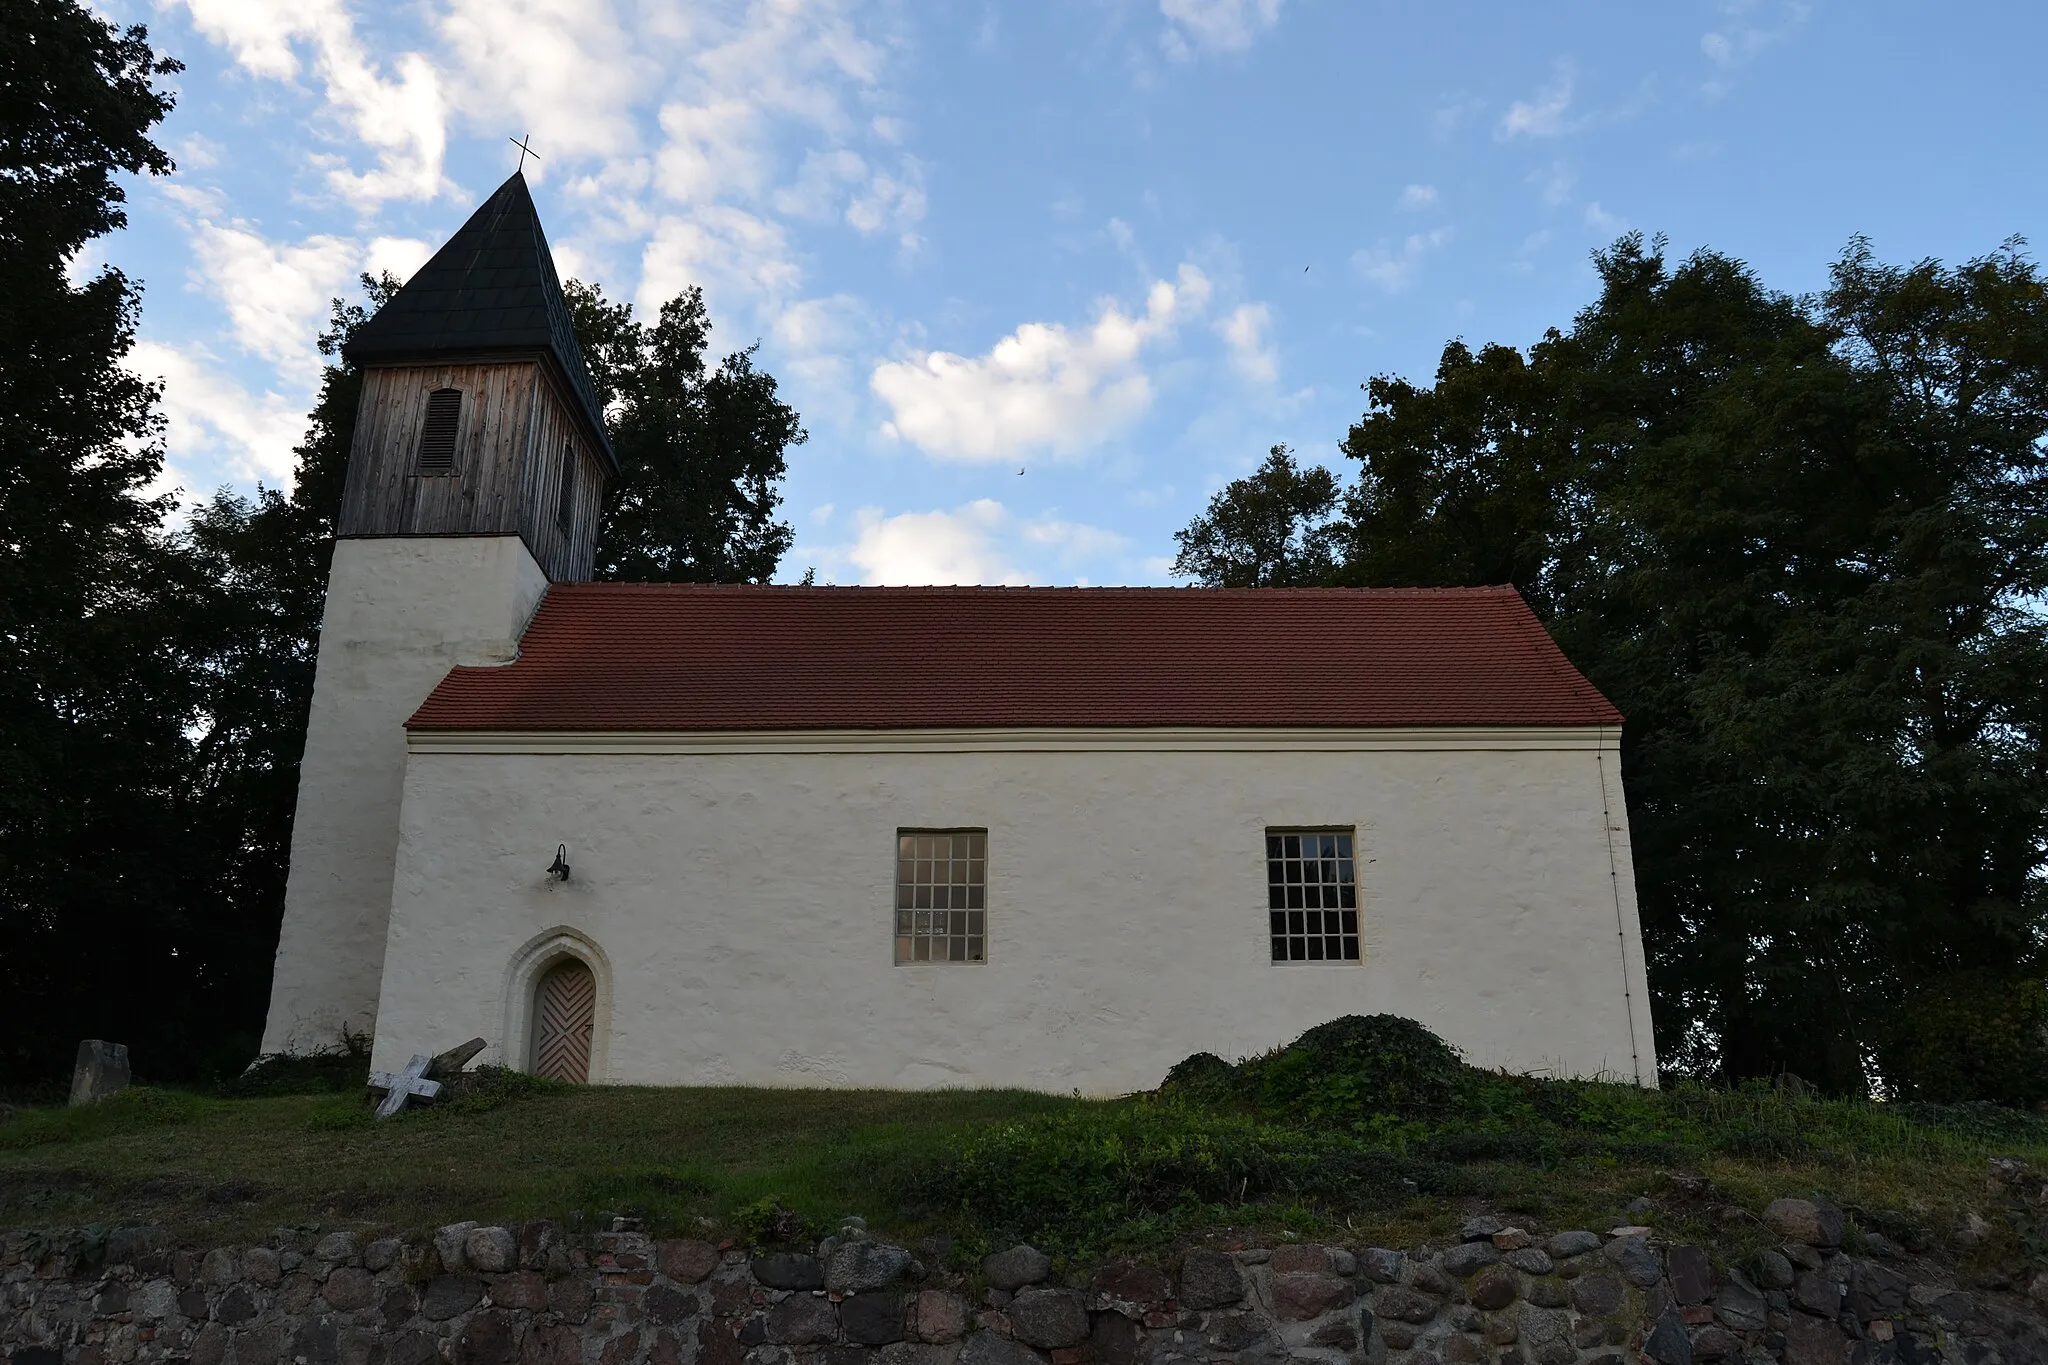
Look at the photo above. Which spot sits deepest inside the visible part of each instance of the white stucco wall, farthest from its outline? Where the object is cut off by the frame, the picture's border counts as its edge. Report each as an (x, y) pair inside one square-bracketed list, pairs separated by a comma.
[(737, 904), (400, 611)]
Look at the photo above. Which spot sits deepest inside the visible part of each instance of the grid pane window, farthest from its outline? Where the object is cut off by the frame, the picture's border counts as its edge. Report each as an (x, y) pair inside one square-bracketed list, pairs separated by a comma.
[(1311, 896), (941, 885)]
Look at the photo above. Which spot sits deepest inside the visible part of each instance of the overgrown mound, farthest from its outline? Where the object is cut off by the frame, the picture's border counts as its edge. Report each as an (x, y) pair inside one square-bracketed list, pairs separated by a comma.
[(1353, 1069), (334, 1070)]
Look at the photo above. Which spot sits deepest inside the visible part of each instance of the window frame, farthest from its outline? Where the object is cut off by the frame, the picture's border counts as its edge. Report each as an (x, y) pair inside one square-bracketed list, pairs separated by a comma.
[(1350, 931), (972, 932)]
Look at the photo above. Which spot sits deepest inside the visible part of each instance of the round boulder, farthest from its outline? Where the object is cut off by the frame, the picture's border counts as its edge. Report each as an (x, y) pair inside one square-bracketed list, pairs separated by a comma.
[(1013, 1269), (1049, 1318)]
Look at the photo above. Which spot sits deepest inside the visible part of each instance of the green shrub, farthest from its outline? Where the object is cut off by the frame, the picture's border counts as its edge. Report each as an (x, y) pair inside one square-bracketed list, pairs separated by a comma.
[(1352, 1071), (484, 1088), (1204, 1079), (1136, 1173), (334, 1070)]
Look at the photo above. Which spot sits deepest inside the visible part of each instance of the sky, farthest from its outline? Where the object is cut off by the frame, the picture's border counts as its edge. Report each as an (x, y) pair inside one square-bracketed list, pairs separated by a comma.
[(1042, 277)]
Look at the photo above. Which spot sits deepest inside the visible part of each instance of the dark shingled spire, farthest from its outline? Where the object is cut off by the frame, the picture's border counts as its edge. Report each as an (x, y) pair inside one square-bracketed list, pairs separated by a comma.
[(491, 289)]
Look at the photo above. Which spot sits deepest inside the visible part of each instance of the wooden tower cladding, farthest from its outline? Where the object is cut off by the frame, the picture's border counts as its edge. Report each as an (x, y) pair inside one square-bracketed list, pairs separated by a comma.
[(489, 447), (478, 415)]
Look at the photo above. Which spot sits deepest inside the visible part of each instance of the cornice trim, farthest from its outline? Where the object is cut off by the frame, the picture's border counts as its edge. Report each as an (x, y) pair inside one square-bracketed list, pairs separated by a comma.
[(1276, 739)]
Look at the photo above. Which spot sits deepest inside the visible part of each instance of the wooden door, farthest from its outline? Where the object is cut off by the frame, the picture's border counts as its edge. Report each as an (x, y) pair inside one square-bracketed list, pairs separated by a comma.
[(564, 1006)]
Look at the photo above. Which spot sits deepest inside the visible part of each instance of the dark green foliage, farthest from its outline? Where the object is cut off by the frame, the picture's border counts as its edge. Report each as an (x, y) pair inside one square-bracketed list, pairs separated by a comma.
[(96, 867), (249, 632), (1973, 1035), (1203, 1078), (342, 1069), (1360, 1066), (1799, 543), (1349, 1071), (1269, 529), (485, 1088), (701, 451), (1377, 1110), (77, 100), (1138, 1173)]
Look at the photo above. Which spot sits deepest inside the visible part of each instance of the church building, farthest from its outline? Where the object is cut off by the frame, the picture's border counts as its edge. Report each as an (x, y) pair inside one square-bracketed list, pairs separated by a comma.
[(1054, 838)]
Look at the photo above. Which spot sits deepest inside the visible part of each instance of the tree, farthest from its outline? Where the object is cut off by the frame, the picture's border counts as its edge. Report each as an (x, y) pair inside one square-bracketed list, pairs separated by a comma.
[(702, 452), (92, 700), (1798, 542), (1268, 529), (250, 630)]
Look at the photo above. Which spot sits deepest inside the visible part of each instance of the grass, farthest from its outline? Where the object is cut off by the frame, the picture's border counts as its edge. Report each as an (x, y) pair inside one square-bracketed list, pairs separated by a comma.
[(1268, 1148), (224, 1169)]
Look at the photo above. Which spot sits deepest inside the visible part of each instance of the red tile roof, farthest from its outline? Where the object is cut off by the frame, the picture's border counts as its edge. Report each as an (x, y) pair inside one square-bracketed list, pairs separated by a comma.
[(660, 656)]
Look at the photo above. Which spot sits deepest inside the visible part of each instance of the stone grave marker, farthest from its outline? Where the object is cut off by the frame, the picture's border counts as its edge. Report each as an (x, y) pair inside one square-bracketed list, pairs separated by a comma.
[(102, 1069)]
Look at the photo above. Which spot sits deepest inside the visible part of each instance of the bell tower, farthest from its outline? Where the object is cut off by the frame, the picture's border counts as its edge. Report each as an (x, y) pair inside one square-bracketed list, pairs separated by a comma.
[(475, 479)]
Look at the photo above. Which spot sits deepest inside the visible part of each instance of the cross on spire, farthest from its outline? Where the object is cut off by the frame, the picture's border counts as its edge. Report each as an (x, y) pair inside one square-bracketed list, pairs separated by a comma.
[(524, 150)]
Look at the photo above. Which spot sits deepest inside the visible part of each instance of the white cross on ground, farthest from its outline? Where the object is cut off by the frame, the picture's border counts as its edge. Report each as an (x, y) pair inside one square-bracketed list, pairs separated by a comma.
[(400, 1086)]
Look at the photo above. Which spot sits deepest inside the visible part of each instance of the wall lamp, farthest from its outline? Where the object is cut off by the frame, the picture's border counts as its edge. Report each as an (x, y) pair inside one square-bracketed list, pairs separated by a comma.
[(559, 869)]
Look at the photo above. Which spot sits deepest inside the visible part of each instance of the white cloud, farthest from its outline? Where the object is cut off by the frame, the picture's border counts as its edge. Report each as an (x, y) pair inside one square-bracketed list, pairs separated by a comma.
[(209, 415), (197, 152), (1543, 116), (1417, 197), (978, 542), (1742, 37), (1074, 541), (402, 119), (891, 202), (1394, 268), (729, 251), (275, 294), (1251, 352), (568, 71), (822, 183), (399, 257), (1553, 183), (933, 547), (1217, 25), (1043, 386), (1603, 221)]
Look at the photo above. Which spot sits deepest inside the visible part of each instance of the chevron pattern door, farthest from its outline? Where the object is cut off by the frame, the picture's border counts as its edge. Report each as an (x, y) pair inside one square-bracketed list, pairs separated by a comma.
[(564, 1006)]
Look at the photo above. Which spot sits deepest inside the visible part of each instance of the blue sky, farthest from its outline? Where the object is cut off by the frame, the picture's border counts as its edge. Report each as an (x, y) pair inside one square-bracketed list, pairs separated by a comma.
[(1121, 246)]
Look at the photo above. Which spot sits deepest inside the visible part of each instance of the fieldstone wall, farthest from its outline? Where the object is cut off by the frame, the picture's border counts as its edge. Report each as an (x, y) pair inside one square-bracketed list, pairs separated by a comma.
[(532, 1295)]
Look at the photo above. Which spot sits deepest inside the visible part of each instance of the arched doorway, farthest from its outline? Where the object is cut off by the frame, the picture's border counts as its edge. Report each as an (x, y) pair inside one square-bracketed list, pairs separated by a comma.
[(564, 1009)]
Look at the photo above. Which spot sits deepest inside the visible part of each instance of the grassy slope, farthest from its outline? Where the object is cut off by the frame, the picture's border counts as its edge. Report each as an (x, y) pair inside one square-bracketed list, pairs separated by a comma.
[(223, 1169), (219, 1169)]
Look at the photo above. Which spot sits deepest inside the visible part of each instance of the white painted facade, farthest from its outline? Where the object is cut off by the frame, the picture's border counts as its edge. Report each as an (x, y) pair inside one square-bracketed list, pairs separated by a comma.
[(734, 895), (400, 611)]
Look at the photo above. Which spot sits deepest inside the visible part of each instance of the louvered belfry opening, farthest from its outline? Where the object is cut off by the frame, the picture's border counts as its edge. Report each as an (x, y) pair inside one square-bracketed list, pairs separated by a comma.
[(437, 433), (564, 1010), (565, 502)]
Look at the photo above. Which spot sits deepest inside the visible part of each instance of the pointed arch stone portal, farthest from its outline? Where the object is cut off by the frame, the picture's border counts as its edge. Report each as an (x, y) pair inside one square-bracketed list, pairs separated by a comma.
[(558, 1007)]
